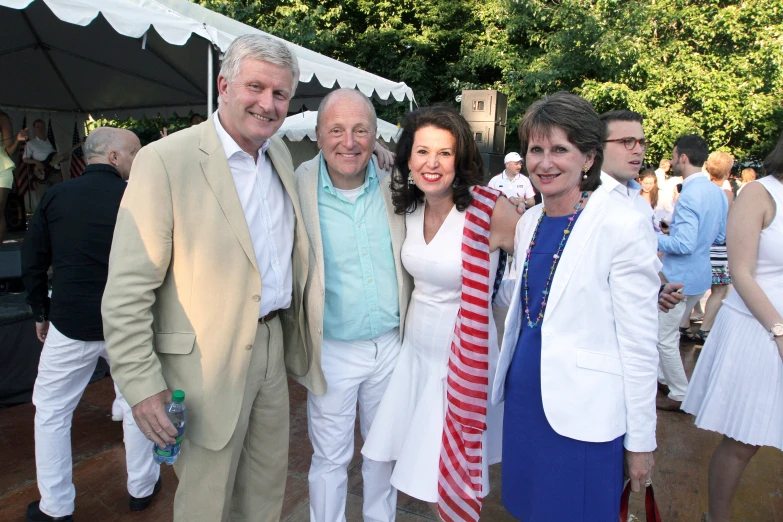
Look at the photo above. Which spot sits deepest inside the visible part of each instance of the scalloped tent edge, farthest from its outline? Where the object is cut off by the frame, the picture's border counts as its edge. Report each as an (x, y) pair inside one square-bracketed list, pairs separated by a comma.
[(158, 67)]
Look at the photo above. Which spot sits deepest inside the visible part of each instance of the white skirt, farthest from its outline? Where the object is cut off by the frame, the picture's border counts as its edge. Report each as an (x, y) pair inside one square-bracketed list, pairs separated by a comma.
[(737, 385)]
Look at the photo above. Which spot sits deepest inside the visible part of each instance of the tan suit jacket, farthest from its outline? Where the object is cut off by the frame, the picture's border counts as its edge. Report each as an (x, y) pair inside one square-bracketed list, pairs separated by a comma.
[(307, 188), (180, 309)]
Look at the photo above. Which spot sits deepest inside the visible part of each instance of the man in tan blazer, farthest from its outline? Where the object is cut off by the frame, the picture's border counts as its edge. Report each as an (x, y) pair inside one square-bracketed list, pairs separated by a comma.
[(206, 280), (356, 298)]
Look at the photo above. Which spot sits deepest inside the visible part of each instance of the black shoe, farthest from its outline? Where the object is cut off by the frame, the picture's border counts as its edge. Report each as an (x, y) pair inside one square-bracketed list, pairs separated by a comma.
[(34, 514), (140, 504)]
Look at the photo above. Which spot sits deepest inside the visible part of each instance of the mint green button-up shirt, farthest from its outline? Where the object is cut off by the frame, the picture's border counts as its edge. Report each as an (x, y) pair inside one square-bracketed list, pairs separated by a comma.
[(361, 300)]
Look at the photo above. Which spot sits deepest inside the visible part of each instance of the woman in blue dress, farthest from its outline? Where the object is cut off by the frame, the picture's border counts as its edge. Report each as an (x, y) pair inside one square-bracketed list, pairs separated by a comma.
[(579, 361)]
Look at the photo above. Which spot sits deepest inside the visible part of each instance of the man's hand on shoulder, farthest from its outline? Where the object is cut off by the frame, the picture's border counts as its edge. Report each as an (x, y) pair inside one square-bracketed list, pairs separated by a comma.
[(151, 418)]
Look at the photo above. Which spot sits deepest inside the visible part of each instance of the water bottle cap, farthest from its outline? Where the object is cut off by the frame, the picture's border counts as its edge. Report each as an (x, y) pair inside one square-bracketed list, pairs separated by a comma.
[(178, 396)]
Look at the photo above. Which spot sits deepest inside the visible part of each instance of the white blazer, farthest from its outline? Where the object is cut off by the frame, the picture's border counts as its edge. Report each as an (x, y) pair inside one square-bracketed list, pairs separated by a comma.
[(599, 356)]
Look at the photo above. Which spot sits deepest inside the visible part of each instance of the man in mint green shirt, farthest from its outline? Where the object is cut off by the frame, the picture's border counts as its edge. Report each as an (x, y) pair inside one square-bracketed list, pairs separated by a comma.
[(356, 296)]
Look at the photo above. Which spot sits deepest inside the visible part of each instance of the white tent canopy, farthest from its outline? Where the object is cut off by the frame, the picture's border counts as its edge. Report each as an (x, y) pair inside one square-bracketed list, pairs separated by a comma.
[(300, 126), (133, 57)]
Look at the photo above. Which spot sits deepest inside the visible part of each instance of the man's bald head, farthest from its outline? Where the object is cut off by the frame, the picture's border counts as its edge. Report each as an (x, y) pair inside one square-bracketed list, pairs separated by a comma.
[(110, 146), (349, 95)]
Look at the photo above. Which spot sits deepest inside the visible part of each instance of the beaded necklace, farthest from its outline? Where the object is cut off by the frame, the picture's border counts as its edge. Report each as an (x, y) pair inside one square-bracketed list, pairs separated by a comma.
[(555, 260)]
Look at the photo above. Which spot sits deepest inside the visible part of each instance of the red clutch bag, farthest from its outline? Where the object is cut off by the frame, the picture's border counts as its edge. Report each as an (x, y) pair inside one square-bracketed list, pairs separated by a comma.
[(650, 505)]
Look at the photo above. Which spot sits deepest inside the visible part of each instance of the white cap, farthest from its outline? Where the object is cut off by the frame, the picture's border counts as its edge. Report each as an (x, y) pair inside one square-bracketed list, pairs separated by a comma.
[(512, 156)]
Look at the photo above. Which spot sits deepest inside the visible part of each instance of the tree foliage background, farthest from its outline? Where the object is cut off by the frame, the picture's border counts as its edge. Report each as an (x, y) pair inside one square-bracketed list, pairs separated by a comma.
[(711, 67)]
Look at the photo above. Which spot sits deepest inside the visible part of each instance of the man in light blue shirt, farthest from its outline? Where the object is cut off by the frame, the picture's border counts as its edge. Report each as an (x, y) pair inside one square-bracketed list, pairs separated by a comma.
[(699, 220), (356, 297)]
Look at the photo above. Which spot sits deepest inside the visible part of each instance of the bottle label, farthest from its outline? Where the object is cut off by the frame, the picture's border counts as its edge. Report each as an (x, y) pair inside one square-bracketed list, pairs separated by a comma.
[(172, 450)]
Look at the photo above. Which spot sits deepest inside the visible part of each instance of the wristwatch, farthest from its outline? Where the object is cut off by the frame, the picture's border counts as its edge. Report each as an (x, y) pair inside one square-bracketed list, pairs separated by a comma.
[(776, 331)]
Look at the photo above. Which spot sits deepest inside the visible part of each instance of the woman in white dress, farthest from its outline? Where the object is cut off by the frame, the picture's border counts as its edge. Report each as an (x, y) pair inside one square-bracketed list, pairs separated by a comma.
[(437, 165), (737, 386)]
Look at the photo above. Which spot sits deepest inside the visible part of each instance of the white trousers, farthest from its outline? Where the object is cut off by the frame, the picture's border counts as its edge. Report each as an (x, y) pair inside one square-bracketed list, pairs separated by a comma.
[(64, 370), (357, 370), (670, 369)]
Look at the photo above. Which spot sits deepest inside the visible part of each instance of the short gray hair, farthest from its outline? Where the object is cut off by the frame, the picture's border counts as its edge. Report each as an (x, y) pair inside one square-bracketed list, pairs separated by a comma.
[(102, 141), (345, 93), (259, 47)]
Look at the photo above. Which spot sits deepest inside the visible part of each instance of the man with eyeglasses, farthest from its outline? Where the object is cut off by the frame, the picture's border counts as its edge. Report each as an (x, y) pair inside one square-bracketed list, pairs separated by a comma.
[(624, 147)]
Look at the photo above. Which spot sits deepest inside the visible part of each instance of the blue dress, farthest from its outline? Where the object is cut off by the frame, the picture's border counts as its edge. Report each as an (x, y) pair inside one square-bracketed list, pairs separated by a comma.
[(547, 476)]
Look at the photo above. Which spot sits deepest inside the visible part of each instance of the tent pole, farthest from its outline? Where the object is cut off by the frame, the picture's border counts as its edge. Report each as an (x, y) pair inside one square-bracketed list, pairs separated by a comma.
[(209, 79)]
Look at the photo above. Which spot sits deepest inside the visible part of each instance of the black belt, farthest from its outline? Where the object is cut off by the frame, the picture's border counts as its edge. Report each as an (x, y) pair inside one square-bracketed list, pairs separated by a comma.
[(268, 317)]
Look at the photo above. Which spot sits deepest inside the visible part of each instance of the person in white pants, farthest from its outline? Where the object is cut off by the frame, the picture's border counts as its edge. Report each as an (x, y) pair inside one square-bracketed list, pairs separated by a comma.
[(71, 231), (699, 221), (64, 371), (355, 298)]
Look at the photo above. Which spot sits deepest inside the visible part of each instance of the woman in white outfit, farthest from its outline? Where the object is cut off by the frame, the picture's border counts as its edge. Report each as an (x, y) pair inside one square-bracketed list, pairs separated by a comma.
[(737, 386), (437, 166)]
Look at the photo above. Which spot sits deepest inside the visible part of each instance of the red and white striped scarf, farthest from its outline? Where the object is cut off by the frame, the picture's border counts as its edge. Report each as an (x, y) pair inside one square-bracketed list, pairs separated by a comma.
[(459, 480)]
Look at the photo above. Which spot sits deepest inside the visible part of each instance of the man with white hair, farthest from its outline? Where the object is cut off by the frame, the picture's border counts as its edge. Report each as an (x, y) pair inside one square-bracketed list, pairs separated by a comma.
[(356, 296), (72, 232), (513, 184), (205, 288)]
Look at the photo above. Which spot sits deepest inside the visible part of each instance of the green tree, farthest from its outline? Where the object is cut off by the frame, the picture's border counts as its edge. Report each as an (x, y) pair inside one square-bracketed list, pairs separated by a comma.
[(438, 47), (712, 67), (688, 66)]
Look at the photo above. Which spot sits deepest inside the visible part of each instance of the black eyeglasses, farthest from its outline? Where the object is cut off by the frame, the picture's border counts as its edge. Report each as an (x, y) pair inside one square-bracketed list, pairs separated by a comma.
[(630, 143)]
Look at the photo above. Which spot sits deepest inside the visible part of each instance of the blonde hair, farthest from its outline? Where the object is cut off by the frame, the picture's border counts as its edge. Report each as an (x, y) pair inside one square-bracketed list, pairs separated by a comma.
[(748, 175), (719, 165)]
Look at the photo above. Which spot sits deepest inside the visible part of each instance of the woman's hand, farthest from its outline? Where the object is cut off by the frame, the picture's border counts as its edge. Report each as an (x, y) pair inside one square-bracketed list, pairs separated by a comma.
[(384, 155), (503, 225), (639, 467), (779, 342)]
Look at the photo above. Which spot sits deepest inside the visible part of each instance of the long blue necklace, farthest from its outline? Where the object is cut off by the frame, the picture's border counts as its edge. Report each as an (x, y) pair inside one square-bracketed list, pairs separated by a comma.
[(555, 260)]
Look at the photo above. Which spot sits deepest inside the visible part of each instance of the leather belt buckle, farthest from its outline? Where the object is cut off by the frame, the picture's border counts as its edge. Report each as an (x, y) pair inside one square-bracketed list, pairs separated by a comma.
[(268, 317)]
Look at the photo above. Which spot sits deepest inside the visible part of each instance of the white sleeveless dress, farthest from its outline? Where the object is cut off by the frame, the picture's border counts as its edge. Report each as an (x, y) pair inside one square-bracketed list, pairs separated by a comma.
[(408, 425), (737, 385)]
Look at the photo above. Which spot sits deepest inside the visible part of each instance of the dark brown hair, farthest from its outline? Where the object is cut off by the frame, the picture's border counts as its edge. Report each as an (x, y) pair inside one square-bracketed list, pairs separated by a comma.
[(619, 115), (650, 173), (577, 118), (774, 162), (693, 146), (468, 164)]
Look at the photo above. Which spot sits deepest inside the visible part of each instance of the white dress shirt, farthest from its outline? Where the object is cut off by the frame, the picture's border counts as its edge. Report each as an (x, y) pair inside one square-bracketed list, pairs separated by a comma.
[(666, 193), (270, 218), (629, 194), (519, 187), (38, 149)]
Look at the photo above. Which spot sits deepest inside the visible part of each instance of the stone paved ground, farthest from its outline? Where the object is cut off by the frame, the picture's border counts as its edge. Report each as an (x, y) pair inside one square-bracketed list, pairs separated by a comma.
[(99, 469)]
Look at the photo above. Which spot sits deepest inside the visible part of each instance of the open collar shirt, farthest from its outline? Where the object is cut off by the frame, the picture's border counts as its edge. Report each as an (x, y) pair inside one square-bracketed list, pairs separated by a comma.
[(362, 296), (270, 218), (629, 194), (699, 220), (519, 187)]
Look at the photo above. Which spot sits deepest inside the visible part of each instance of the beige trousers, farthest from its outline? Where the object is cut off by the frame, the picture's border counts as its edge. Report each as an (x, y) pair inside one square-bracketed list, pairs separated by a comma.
[(245, 481)]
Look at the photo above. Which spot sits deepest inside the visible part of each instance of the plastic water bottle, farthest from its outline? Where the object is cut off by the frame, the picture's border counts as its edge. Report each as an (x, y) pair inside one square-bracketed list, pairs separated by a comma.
[(178, 415)]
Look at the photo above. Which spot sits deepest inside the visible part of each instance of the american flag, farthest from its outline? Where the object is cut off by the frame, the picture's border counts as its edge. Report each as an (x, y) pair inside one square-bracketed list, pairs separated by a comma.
[(77, 158), (50, 135), (22, 173)]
